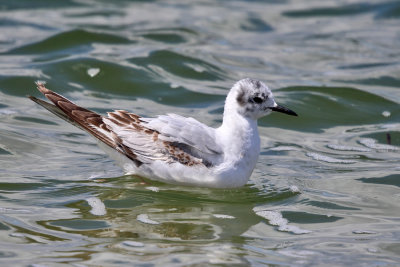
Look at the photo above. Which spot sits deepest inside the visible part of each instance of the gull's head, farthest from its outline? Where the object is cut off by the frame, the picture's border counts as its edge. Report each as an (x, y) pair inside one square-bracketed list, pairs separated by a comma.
[(253, 99)]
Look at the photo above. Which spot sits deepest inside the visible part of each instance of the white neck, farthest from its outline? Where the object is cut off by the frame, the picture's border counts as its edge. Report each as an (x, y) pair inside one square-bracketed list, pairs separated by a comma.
[(239, 136)]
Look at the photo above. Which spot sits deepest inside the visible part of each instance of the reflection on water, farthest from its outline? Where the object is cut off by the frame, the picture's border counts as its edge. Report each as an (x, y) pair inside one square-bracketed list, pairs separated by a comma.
[(325, 188)]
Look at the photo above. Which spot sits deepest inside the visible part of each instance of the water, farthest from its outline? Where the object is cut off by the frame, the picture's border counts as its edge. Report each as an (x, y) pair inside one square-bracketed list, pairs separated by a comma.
[(325, 190)]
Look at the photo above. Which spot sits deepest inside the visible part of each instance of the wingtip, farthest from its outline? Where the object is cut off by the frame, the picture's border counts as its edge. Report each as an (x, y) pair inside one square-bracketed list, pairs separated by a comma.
[(40, 83), (41, 86)]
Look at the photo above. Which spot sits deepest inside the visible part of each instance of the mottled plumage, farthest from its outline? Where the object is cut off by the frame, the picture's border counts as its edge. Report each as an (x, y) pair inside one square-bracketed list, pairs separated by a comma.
[(177, 149)]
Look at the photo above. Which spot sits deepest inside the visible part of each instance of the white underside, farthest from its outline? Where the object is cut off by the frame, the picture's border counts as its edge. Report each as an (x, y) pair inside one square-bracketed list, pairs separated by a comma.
[(225, 175)]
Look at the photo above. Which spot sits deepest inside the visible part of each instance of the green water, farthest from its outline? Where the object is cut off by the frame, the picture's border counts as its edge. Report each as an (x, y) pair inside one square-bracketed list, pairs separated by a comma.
[(325, 191)]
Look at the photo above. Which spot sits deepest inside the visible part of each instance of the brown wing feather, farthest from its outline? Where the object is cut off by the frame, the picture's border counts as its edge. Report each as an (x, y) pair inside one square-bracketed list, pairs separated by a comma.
[(162, 150), (106, 129)]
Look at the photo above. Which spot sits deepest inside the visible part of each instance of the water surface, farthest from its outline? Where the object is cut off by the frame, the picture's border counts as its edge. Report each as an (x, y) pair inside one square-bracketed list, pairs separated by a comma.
[(325, 190)]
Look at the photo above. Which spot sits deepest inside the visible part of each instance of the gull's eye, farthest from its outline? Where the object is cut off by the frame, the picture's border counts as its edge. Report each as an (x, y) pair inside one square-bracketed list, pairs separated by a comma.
[(257, 100)]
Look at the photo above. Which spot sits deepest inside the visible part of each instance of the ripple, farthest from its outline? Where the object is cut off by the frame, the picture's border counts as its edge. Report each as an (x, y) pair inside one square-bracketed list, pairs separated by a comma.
[(328, 159), (393, 179), (334, 63), (165, 37), (382, 10), (74, 41), (181, 65), (381, 81), (80, 225), (256, 25), (325, 107), (11, 5), (372, 143), (4, 152), (223, 216), (347, 148), (144, 218), (133, 244), (366, 65), (363, 232)]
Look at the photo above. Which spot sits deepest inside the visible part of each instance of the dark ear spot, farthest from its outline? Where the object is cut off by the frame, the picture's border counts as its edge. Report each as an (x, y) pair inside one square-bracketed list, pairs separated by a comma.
[(240, 98)]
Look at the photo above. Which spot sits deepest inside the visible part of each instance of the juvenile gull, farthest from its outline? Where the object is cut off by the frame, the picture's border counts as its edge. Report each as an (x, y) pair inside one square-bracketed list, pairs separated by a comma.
[(176, 149)]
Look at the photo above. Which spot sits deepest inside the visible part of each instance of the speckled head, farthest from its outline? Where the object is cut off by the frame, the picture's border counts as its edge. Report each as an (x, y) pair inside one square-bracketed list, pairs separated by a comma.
[(253, 99)]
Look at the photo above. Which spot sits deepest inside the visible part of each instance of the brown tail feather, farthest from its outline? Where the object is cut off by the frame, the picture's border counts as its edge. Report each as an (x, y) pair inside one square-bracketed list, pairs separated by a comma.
[(67, 110), (53, 109), (85, 119)]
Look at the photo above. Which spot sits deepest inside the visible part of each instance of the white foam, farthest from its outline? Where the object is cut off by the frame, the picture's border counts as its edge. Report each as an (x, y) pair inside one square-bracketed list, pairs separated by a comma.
[(324, 158), (297, 253), (348, 148), (223, 216), (98, 207), (93, 72), (275, 218), (386, 113), (294, 189), (372, 143), (144, 218), (153, 188)]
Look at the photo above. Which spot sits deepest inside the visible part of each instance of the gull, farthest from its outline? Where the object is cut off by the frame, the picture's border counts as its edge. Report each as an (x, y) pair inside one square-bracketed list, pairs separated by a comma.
[(176, 149)]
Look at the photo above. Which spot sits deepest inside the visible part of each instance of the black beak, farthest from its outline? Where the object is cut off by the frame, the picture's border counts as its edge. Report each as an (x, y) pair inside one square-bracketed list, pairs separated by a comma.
[(282, 109)]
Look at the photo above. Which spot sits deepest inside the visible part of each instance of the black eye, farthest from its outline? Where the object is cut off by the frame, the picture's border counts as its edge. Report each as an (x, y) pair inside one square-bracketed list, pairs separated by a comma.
[(258, 100)]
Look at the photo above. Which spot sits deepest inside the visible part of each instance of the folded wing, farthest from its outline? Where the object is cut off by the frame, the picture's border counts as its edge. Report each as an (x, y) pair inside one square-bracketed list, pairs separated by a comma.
[(175, 128), (169, 138)]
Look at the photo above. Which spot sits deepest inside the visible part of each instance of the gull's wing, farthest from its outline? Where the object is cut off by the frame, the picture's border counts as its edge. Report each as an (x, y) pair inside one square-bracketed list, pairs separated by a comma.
[(188, 131), (123, 131)]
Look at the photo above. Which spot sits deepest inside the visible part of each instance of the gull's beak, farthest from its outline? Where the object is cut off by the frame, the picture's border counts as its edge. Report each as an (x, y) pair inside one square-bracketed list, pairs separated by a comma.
[(282, 109)]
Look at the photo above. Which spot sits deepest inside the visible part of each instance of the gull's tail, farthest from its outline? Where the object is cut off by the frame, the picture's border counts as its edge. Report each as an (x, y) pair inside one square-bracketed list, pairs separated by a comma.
[(85, 119)]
